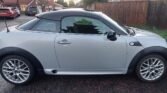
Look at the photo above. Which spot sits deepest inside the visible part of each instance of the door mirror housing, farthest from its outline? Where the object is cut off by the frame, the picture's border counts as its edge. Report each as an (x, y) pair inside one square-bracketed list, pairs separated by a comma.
[(111, 36)]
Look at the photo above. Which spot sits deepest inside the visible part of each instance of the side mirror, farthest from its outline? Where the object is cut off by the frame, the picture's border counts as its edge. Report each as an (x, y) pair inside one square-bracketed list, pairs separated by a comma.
[(112, 36)]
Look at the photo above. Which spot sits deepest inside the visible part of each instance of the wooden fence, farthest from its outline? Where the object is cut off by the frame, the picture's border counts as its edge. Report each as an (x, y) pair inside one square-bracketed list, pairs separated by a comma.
[(136, 12), (157, 14), (128, 12)]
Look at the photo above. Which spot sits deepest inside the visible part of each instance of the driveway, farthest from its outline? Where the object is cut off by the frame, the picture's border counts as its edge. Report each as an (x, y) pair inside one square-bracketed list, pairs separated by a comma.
[(18, 20), (81, 84)]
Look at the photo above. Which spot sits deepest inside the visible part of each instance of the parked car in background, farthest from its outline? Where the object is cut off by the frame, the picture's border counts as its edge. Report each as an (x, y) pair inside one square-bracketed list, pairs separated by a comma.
[(18, 11), (79, 42), (32, 11), (9, 12)]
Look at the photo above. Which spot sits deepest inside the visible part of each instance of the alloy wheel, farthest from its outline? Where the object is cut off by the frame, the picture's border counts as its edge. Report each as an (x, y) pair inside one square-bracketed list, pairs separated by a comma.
[(151, 68), (16, 70)]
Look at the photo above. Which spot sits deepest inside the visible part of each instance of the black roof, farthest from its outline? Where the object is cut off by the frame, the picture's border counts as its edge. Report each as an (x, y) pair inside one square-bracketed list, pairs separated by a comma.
[(59, 14)]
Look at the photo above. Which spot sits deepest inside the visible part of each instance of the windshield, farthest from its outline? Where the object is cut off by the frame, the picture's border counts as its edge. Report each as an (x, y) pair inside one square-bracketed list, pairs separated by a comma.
[(121, 27)]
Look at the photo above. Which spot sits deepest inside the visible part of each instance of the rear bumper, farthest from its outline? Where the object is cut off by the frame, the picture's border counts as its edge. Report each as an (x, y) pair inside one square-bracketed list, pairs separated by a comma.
[(7, 15)]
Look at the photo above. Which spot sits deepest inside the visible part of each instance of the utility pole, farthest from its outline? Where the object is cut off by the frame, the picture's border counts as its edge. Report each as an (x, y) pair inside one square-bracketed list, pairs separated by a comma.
[(18, 4)]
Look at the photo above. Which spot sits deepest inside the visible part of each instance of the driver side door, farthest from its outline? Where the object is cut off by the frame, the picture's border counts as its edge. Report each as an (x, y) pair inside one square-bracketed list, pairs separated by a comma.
[(83, 46)]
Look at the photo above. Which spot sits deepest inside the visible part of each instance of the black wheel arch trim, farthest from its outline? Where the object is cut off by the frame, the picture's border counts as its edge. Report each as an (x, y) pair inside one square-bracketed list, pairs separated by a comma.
[(21, 52), (147, 51)]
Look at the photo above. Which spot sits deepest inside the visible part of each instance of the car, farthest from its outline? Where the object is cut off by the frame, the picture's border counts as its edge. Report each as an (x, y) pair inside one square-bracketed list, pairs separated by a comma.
[(79, 42), (9, 12), (18, 11), (32, 11)]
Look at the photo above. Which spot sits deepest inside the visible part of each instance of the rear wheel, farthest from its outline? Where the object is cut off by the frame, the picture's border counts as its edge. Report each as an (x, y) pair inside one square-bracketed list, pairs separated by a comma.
[(16, 70), (151, 68)]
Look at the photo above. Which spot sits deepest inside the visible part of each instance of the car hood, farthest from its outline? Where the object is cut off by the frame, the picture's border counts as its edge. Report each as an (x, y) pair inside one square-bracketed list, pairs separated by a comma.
[(145, 33)]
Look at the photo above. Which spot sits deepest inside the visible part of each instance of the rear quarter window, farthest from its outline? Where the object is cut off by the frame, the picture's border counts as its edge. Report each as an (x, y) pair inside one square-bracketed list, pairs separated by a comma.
[(39, 24), (45, 26), (28, 25)]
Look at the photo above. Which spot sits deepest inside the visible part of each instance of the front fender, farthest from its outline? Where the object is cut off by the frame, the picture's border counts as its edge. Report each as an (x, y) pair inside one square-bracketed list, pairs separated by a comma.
[(147, 51)]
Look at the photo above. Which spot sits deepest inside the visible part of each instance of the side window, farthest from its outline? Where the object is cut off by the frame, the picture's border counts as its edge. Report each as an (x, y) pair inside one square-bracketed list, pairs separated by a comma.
[(45, 25), (83, 25)]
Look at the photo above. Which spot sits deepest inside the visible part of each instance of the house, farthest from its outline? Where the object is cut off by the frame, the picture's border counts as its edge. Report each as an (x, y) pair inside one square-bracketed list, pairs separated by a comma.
[(23, 4), (1, 2), (48, 5), (18, 3)]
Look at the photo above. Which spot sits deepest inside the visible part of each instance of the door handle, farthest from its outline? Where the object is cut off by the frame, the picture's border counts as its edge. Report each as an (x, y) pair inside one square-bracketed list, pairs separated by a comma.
[(64, 41)]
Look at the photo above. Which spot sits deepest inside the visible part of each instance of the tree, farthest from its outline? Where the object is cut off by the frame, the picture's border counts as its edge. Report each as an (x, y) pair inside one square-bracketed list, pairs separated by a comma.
[(1, 1), (71, 3), (43, 4), (84, 22), (62, 3), (89, 2)]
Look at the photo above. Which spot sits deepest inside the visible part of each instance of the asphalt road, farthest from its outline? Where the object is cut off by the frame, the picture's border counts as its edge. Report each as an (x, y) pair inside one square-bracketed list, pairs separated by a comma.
[(18, 20), (81, 84)]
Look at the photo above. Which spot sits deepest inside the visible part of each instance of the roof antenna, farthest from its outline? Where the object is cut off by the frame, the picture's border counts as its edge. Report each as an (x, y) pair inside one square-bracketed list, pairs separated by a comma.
[(6, 25)]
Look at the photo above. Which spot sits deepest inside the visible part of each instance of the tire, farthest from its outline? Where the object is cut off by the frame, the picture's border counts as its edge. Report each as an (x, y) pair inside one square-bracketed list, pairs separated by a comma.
[(151, 68), (12, 17), (16, 70)]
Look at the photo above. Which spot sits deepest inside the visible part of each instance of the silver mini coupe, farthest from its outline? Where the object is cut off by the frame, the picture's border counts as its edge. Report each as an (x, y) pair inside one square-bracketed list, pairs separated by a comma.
[(79, 42)]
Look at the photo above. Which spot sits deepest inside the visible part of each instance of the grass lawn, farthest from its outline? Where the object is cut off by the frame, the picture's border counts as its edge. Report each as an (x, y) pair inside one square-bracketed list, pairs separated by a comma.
[(162, 32)]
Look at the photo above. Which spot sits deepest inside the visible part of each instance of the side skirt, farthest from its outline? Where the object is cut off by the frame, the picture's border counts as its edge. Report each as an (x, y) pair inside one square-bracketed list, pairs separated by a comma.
[(55, 72)]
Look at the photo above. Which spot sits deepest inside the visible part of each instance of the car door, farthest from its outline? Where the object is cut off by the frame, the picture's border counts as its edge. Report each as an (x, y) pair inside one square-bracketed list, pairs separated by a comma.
[(83, 46), (38, 38)]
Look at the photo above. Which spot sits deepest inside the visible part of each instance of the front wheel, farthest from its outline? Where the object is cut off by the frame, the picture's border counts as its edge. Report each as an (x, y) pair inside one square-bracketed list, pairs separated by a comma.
[(151, 68), (16, 70)]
